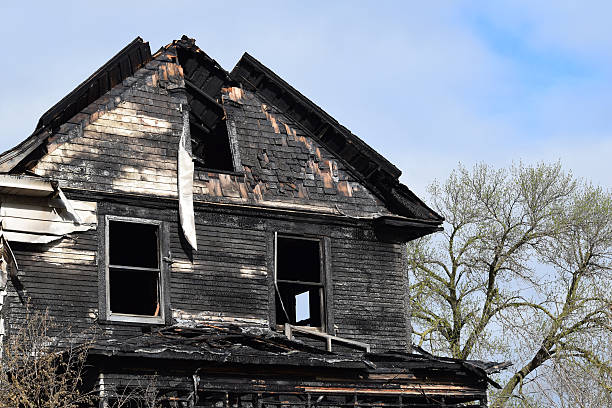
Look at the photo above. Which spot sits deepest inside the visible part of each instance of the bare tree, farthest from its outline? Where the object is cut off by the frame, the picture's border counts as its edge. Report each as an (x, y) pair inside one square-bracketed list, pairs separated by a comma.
[(41, 367), (518, 270)]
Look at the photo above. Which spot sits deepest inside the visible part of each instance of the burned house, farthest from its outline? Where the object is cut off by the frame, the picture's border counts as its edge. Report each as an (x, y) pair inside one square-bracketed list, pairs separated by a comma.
[(230, 240)]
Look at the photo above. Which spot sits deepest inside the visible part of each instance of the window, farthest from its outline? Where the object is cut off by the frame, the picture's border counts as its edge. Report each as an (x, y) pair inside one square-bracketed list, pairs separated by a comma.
[(211, 147), (213, 144), (300, 297), (133, 273)]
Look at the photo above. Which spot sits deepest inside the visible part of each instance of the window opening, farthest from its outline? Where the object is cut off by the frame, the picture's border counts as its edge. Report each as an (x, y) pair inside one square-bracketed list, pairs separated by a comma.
[(299, 279), (134, 269), (210, 140), (211, 147)]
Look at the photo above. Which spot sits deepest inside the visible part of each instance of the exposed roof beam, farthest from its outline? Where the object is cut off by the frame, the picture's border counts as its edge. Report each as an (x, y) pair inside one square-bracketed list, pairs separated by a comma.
[(211, 101)]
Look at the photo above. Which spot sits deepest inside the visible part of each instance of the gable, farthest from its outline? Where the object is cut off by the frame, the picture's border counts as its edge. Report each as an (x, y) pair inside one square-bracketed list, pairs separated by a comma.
[(126, 141), (284, 150), (372, 169)]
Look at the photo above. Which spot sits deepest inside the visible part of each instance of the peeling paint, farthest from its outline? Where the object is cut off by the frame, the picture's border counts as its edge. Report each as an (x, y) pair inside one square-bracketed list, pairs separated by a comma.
[(190, 319), (214, 187), (235, 94), (270, 117), (344, 187)]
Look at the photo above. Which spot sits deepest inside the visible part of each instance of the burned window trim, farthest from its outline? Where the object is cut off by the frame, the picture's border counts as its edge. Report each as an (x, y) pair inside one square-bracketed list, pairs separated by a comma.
[(327, 315), (106, 314), (232, 135)]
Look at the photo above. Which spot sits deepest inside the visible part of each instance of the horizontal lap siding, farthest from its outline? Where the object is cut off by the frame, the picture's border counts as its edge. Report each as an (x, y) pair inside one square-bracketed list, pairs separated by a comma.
[(61, 277), (369, 290), (127, 142), (228, 276)]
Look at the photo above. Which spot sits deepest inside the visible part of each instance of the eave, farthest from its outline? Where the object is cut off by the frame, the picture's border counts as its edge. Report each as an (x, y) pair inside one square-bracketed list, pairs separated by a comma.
[(25, 186)]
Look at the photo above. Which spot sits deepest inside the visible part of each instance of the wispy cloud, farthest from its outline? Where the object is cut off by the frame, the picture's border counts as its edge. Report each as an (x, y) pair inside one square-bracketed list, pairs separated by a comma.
[(428, 85)]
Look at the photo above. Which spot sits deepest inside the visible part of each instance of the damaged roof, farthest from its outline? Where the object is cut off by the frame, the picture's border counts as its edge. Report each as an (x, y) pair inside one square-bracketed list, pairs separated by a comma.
[(228, 343), (224, 343), (205, 78), (121, 66)]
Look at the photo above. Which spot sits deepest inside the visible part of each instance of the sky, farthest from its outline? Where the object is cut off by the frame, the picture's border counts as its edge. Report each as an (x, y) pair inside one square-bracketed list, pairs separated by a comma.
[(427, 84)]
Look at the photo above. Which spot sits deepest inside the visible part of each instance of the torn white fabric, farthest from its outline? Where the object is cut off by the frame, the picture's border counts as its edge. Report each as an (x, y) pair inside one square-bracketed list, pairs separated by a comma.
[(68, 207), (185, 184), (40, 220)]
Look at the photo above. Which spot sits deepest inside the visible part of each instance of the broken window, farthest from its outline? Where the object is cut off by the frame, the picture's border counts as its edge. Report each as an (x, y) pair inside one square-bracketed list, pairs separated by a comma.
[(299, 282), (210, 145), (134, 269), (210, 140)]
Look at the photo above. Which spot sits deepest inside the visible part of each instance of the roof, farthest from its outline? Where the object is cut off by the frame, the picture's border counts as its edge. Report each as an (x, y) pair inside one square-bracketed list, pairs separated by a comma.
[(257, 77), (204, 79), (215, 343), (227, 343), (371, 168), (121, 66)]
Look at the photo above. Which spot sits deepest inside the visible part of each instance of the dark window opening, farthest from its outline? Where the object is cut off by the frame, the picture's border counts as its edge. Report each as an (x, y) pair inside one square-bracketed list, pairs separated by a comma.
[(211, 148), (133, 244), (134, 268), (204, 80), (299, 299), (134, 292)]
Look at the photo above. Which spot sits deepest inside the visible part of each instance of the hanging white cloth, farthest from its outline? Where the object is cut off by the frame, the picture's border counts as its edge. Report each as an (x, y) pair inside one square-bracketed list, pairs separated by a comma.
[(185, 184)]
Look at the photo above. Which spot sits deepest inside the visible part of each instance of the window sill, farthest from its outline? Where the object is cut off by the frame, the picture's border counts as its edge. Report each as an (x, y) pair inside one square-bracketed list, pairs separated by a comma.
[(217, 171), (315, 330), (126, 318)]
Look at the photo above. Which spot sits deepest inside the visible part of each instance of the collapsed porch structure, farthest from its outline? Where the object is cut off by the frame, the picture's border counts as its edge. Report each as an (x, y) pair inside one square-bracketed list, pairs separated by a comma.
[(228, 366)]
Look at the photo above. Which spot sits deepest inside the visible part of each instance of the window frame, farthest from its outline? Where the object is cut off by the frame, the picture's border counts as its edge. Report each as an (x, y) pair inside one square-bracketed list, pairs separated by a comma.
[(229, 126), (326, 292), (162, 281)]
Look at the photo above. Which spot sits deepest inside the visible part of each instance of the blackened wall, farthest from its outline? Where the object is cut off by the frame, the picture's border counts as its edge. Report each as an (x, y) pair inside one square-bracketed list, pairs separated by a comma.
[(227, 279), (121, 152)]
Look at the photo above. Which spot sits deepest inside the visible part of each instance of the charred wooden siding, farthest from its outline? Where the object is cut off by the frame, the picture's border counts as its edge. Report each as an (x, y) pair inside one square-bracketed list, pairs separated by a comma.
[(61, 277), (226, 280), (369, 290), (126, 141), (121, 151), (281, 165)]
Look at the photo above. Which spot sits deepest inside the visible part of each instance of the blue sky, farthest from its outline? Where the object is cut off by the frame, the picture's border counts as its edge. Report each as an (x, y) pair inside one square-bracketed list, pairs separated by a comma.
[(427, 84)]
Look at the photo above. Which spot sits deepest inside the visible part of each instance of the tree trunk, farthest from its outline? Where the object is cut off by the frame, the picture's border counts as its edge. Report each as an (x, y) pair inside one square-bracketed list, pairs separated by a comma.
[(502, 398)]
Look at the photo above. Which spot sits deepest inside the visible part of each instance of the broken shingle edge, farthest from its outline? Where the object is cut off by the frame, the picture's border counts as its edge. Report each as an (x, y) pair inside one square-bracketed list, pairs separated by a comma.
[(381, 177), (121, 66), (369, 166)]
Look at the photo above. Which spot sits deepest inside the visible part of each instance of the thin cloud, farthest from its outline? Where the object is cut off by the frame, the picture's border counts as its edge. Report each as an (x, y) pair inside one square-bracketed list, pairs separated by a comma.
[(426, 85)]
